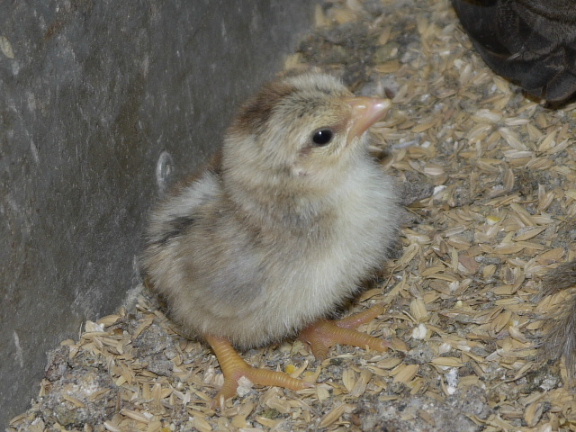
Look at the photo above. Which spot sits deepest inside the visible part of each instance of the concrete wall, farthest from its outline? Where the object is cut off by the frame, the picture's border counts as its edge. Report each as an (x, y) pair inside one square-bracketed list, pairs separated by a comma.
[(91, 95)]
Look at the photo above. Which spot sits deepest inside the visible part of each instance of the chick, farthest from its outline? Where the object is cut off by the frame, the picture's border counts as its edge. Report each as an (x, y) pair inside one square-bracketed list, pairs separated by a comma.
[(530, 42), (276, 235)]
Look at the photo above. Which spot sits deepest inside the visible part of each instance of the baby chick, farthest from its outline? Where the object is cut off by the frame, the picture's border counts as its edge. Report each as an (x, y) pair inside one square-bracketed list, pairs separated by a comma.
[(276, 235)]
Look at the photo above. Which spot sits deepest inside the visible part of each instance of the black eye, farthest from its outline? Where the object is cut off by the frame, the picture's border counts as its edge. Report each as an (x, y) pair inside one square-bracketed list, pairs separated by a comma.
[(322, 137)]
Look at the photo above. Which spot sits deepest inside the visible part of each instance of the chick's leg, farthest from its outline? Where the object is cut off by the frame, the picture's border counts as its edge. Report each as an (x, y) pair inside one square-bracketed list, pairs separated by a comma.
[(324, 334), (234, 367)]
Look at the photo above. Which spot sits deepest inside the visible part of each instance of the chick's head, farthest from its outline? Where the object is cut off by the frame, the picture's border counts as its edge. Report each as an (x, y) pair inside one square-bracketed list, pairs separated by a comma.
[(304, 131)]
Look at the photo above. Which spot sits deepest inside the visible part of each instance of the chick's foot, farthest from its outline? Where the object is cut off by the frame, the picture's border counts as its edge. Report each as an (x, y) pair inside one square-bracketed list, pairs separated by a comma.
[(324, 334), (234, 367)]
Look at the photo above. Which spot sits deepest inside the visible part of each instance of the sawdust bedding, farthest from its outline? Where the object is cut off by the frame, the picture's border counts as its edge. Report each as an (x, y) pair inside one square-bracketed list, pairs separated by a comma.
[(489, 180)]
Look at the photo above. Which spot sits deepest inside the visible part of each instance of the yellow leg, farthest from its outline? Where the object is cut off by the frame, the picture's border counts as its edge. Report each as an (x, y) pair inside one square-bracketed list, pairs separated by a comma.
[(234, 367), (324, 334)]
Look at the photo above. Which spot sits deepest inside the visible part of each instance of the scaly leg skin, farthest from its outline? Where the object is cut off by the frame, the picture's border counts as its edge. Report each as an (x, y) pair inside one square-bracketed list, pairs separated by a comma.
[(234, 367), (324, 334)]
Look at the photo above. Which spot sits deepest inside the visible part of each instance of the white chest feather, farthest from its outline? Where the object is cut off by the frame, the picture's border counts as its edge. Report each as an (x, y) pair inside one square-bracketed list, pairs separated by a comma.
[(325, 274)]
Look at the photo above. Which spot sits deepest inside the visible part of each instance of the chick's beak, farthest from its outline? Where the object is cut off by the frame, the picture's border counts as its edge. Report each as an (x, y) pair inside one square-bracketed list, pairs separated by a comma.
[(365, 112)]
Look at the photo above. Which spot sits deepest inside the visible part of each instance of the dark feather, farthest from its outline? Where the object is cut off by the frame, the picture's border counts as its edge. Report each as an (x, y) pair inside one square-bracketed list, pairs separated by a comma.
[(530, 42), (561, 336)]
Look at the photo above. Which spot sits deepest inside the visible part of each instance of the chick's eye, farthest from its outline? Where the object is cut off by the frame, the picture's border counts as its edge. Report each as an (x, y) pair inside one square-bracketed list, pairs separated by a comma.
[(322, 136)]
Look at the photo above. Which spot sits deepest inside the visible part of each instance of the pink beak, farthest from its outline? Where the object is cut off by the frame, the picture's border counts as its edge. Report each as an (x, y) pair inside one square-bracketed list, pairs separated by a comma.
[(365, 112)]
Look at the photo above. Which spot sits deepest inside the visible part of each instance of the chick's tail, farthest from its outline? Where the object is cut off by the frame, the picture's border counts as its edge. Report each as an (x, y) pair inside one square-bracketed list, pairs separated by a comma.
[(560, 339)]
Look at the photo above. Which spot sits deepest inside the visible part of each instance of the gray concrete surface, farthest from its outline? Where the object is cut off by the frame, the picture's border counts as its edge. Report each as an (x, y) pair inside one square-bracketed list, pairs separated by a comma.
[(91, 95)]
